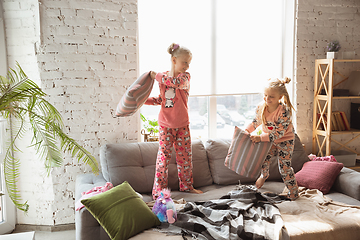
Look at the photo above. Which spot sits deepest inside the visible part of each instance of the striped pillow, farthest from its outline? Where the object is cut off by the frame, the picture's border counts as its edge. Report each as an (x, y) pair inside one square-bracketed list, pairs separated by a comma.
[(135, 96), (245, 157)]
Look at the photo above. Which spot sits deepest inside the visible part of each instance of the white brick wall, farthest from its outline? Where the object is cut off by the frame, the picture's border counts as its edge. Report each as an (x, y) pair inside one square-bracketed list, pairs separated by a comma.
[(91, 73), (83, 54), (319, 22), (22, 33)]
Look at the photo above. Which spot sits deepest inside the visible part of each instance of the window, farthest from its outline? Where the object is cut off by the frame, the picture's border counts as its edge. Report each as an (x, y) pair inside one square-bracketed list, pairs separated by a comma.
[(236, 46), (2, 155), (234, 110), (7, 208)]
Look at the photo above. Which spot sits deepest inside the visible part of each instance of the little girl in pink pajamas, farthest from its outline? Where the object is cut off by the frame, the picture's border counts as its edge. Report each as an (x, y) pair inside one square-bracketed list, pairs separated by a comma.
[(275, 117), (174, 121)]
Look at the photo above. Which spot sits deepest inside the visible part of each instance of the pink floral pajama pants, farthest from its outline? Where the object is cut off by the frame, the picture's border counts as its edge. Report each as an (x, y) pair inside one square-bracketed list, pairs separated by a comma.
[(181, 140), (283, 151)]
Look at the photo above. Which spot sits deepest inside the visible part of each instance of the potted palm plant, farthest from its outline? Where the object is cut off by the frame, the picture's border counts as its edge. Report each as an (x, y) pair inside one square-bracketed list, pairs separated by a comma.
[(23, 102)]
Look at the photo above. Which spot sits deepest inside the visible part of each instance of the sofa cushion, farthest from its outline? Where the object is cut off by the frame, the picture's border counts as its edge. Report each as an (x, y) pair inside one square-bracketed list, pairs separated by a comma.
[(201, 170), (319, 175), (121, 212), (135, 96), (121, 162), (217, 151)]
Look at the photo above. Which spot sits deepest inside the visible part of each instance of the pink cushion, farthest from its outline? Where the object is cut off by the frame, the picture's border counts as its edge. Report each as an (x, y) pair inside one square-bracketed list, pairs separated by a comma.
[(319, 175), (135, 96)]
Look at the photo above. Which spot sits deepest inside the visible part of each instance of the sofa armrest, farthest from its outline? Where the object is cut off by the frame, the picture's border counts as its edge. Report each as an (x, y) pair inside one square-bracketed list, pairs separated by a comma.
[(348, 182), (87, 227), (85, 182)]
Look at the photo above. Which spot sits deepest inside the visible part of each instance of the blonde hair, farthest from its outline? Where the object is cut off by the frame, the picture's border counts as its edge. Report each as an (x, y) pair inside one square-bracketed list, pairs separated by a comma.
[(278, 85), (175, 50)]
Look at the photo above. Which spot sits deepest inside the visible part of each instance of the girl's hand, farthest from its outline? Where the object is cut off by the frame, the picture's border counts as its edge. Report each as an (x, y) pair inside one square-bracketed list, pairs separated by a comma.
[(152, 75), (255, 138)]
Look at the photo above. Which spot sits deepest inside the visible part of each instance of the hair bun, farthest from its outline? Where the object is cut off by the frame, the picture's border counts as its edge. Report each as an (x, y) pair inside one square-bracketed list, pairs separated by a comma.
[(287, 80), (171, 49)]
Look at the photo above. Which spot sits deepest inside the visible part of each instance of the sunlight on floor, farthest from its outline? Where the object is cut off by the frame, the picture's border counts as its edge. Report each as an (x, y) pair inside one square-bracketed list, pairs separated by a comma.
[(57, 235)]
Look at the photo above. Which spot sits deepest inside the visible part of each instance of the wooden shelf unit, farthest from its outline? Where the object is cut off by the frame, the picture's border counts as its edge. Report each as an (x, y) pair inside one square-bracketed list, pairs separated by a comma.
[(356, 167), (324, 79)]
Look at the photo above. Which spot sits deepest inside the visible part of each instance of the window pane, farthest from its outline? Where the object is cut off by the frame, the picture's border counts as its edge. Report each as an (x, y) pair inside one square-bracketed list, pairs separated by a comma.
[(2, 156), (247, 47), (198, 108), (248, 44), (237, 110), (189, 25), (150, 113), (1, 199)]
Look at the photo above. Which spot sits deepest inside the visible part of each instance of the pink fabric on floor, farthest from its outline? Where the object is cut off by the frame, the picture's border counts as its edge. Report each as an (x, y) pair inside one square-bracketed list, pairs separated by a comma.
[(92, 192), (330, 158)]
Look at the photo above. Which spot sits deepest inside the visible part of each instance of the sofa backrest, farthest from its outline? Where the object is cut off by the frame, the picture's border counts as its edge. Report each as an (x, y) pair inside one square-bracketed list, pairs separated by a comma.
[(217, 150), (135, 163)]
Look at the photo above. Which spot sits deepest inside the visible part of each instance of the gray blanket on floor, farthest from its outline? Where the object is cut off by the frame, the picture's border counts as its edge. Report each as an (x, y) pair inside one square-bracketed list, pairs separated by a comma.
[(243, 213)]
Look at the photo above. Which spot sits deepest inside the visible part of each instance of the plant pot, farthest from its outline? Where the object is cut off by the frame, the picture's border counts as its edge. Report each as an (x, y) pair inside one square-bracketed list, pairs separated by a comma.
[(152, 139), (332, 55), (149, 137)]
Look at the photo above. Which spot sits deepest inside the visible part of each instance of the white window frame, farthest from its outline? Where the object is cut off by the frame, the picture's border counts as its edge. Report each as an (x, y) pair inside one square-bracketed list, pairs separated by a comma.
[(287, 65), (8, 208), (287, 68)]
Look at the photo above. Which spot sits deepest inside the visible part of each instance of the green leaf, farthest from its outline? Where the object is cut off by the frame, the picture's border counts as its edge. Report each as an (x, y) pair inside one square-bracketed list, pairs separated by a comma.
[(23, 101), (150, 125)]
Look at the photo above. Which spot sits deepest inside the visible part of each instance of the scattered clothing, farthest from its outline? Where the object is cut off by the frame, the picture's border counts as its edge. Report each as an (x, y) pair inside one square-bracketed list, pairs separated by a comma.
[(92, 192), (243, 213), (330, 158), (314, 216)]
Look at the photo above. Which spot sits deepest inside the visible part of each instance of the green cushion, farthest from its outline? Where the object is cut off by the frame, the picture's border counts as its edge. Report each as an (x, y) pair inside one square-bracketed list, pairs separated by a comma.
[(121, 212)]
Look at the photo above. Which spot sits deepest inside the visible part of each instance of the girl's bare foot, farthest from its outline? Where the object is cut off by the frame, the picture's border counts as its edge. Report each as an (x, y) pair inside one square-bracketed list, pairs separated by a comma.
[(196, 191), (260, 182)]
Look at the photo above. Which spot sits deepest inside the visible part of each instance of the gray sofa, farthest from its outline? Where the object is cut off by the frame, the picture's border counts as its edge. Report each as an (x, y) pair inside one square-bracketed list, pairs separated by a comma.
[(135, 163)]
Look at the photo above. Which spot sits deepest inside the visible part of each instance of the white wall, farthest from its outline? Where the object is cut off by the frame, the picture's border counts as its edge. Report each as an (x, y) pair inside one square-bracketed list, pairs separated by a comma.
[(87, 59), (22, 33), (83, 54), (318, 22)]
